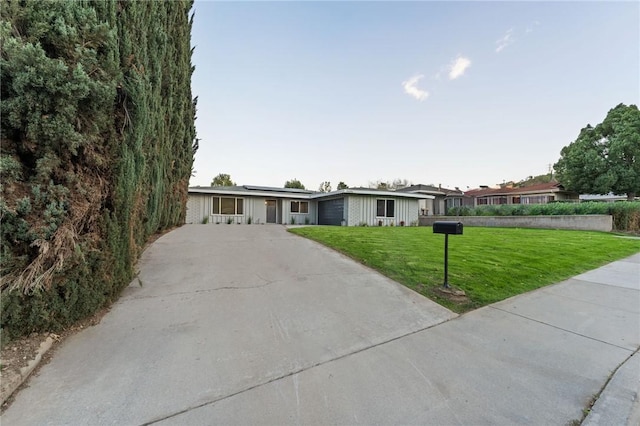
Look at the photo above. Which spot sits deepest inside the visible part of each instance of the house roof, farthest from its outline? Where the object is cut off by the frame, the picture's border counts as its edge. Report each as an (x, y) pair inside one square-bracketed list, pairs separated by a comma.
[(297, 193), (244, 190), (371, 191), (531, 189), (430, 189)]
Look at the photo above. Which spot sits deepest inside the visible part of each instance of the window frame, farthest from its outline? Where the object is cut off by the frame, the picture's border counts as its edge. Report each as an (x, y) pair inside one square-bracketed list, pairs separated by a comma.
[(238, 206), (387, 202), (299, 208)]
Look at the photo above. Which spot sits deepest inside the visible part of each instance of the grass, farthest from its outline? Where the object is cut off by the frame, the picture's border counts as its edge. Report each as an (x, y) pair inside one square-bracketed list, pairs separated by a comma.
[(489, 264)]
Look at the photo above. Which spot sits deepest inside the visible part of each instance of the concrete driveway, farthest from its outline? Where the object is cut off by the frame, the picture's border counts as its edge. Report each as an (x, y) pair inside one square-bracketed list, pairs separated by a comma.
[(219, 311), (251, 325)]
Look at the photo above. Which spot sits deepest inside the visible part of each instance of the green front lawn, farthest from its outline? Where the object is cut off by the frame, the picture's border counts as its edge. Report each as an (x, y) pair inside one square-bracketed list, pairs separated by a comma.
[(489, 264)]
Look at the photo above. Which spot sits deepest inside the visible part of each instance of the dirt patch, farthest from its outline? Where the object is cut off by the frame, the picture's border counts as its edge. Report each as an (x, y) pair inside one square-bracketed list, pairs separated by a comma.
[(454, 296)]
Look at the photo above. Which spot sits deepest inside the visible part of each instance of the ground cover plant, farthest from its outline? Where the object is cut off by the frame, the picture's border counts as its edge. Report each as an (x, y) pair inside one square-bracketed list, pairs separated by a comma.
[(488, 264)]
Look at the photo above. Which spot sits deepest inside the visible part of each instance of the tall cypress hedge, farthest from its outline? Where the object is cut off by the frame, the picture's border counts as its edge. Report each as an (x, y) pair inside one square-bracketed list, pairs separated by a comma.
[(98, 139)]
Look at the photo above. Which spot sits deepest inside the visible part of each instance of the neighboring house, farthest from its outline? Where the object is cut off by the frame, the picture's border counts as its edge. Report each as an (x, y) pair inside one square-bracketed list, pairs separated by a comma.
[(259, 204), (542, 193), (443, 199)]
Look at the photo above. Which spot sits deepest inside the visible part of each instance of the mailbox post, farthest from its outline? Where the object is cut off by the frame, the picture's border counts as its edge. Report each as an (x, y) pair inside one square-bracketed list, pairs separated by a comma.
[(446, 228)]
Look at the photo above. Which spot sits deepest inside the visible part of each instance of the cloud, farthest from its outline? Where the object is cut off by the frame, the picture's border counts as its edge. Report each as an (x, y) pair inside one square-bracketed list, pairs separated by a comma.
[(411, 89), (505, 41), (532, 26), (458, 67)]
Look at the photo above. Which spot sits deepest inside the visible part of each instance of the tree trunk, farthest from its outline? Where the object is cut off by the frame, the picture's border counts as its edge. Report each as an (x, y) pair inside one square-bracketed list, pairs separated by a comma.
[(631, 196)]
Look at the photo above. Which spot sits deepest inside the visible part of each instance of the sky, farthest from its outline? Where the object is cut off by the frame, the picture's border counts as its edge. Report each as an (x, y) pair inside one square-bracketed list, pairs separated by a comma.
[(460, 94)]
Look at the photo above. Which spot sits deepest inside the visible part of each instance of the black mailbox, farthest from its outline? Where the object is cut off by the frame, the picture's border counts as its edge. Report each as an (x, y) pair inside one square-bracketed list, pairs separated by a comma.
[(447, 228)]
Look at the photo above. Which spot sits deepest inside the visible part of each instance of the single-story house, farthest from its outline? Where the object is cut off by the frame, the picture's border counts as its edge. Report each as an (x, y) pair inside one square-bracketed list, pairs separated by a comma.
[(258, 204), (444, 198), (542, 193)]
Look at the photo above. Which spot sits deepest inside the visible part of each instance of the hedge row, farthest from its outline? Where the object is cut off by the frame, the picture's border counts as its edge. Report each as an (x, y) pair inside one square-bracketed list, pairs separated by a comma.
[(98, 139), (626, 214)]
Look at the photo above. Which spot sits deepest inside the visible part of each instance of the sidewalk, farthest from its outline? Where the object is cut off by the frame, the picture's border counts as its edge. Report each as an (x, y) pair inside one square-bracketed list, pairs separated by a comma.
[(208, 337)]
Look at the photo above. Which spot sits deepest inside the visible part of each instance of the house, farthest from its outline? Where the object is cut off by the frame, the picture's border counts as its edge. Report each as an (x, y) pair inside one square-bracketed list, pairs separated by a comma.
[(443, 200), (541, 193), (258, 204)]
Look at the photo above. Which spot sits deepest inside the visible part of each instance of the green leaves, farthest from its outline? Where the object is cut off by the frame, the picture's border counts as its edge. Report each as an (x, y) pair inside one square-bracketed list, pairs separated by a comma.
[(98, 138), (605, 158)]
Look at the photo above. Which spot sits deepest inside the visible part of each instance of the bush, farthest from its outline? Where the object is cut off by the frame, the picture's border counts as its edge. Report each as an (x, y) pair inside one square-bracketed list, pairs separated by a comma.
[(626, 214), (98, 140)]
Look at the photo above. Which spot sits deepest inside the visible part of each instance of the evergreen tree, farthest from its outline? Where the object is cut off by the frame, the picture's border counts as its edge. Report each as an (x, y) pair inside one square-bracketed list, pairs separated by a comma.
[(98, 138), (294, 183)]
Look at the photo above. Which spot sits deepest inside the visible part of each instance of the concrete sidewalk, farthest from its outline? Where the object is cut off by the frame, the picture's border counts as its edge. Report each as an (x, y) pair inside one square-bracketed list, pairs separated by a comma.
[(252, 325)]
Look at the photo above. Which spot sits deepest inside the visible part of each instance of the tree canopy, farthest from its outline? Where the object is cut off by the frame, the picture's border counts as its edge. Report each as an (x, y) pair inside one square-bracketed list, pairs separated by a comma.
[(392, 186), (294, 183), (325, 187), (604, 158), (223, 179), (342, 185)]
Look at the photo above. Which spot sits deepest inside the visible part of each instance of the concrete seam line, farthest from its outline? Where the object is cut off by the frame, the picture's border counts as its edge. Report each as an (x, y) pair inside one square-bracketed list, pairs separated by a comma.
[(206, 290), (604, 386), (292, 373), (563, 329)]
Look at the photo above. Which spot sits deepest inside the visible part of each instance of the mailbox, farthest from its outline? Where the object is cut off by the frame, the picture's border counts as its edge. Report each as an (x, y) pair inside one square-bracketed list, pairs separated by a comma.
[(447, 228)]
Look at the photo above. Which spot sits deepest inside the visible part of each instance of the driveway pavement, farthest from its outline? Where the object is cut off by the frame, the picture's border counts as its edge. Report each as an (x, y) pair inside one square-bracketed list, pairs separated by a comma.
[(252, 325)]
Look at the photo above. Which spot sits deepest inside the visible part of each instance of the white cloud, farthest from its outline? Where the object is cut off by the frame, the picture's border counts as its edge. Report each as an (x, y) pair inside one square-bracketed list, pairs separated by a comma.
[(505, 41), (411, 89), (458, 67), (532, 26)]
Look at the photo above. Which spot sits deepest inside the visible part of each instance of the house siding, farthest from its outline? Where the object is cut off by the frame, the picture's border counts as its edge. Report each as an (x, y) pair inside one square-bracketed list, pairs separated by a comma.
[(199, 207), (299, 218), (357, 209), (196, 208), (363, 209)]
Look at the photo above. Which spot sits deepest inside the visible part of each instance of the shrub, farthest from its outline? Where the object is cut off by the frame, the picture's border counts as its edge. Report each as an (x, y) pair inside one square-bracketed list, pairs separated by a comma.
[(626, 214), (96, 111)]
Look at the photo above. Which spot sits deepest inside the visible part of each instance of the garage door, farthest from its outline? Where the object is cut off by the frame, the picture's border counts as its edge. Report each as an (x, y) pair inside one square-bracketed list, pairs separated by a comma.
[(331, 212)]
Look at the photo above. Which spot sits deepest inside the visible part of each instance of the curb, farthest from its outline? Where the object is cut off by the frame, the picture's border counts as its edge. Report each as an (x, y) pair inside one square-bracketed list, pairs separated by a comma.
[(619, 402), (16, 381)]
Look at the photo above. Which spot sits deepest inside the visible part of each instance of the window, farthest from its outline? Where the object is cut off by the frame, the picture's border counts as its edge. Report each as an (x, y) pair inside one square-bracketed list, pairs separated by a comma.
[(537, 199), (299, 207), (228, 205), (385, 208)]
